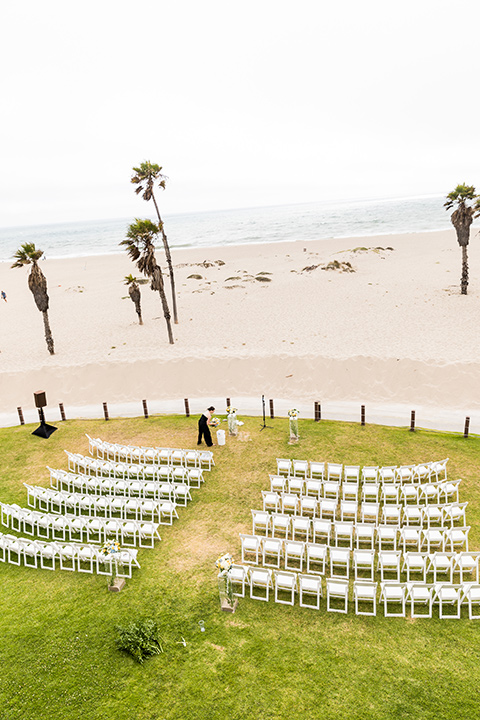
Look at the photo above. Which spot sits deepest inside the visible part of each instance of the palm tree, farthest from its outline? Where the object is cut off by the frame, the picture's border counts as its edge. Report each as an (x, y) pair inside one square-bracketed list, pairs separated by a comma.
[(134, 292), (466, 204), (28, 254), (145, 177), (140, 245)]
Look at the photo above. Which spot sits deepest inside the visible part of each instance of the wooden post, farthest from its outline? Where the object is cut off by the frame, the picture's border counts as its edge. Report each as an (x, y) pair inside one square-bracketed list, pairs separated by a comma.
[(316, 410), (62, 411), (467, 427), (20, 415), (412, 421), (105, 410), (187, 407), (272, 414), (145, 409), (228, 402), (362, 415)]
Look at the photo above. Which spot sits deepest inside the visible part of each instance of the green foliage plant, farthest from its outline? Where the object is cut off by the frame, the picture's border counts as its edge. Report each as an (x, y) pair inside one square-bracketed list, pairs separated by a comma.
[(139, 639)]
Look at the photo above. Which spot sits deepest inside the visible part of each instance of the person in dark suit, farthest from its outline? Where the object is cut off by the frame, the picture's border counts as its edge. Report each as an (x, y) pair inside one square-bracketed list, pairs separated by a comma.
[(203, 429)]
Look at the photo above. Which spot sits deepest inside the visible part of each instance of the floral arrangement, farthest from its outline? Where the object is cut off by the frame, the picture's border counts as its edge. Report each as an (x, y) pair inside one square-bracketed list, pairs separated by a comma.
[(224, 565), (214, 422), (232, 421), (231, 409), (110, 547), (293, 413)]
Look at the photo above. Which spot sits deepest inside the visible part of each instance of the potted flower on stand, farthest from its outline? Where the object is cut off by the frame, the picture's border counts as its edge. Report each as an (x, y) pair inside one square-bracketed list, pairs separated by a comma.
[(293, 425), (225, 588), (111, 550), (232, 421)]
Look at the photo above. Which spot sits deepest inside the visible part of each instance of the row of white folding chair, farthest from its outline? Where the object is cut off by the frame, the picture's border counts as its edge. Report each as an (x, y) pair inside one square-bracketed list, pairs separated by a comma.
[(86, 484), (79, 528), (361, 533), (422, 597), (336, 471), (263, 580), (79, 482), (286, 585), (86, 465), (135, 453), (271, 552), (70, 556), (305, 505), (442, 490), (57, 501)]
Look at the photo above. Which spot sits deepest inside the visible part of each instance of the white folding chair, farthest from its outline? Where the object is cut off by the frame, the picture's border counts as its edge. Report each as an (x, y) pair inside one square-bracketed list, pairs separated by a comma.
[(387, 537), (300, 468), (393, 593), (471, 595), (285, 583), (300, 528), (316, 556), (271, 501), (416, 563), (343, 533), (370, 512), (67, 554), (390, 493), (365, 592), (410, 494), (238, 577), (467, 563), (448, 490), (351, 474), (271, 552), (364, 536), (313, 489), (363, 562), (327, 509), (404, 474), (290, 503), (439, 469), (334, 471), (441, 563), (411, 538), (456, 538), (317, 470), (284, 466), (391, 515), (387, 474), (350, 491), (278, 483), (281, 525), (432, 516), (260, 522), (321, 531), (370, 492), (420, 594), (294, 555), (86, 559), (448, 595), (348, 510), (337, 590), (389, 562), (370, 473), (147, 534), (261, 579), (340, 562), (251, 548), (296, 484), (455, 513), (310, 586), (308, 506), (331, 489)]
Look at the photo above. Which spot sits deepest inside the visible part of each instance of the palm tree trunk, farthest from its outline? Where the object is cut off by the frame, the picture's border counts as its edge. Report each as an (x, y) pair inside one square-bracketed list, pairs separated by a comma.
[(158, 281), (464, 282), (169, 263), (48, 333)]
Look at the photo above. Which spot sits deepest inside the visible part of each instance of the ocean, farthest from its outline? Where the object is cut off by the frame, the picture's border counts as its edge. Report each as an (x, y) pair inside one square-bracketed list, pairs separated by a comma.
[(310, 221)]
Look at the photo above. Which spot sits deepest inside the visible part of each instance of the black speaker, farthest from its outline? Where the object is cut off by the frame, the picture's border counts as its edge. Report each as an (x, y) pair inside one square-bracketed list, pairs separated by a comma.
[(40, 399)]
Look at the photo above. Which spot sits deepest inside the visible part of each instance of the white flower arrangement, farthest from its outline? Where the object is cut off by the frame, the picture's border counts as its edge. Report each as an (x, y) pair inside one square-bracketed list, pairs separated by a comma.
[(110, 547), (293, 413), (214, 422), (224, 564), (231, 409)]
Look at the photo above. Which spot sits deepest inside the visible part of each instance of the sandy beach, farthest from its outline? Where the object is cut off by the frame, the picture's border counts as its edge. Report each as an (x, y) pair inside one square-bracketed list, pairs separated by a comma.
[(388, 325)]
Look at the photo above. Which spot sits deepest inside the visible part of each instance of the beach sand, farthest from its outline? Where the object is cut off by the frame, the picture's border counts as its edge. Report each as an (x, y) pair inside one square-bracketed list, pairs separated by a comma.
[(261, 319)]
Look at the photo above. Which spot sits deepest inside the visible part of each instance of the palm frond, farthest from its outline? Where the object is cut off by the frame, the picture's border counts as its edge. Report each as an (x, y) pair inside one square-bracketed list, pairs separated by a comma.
[(27, 254)]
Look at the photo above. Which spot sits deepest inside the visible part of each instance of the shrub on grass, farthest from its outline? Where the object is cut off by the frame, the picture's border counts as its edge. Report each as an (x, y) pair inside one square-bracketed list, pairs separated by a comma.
[(139, 639)]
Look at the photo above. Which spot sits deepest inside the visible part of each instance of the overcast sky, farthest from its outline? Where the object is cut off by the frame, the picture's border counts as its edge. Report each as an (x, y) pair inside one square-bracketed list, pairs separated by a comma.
[(256, 103)]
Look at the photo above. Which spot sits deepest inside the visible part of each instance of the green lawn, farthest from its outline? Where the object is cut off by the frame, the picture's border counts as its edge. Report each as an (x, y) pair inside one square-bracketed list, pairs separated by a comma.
[(57, 637)]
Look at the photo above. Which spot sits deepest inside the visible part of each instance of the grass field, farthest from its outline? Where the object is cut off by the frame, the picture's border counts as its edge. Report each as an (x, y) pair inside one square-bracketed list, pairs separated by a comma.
[(57, 636)]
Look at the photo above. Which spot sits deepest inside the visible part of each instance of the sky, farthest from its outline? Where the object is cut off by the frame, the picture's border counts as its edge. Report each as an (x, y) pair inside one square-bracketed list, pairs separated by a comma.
[(259, 103)]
